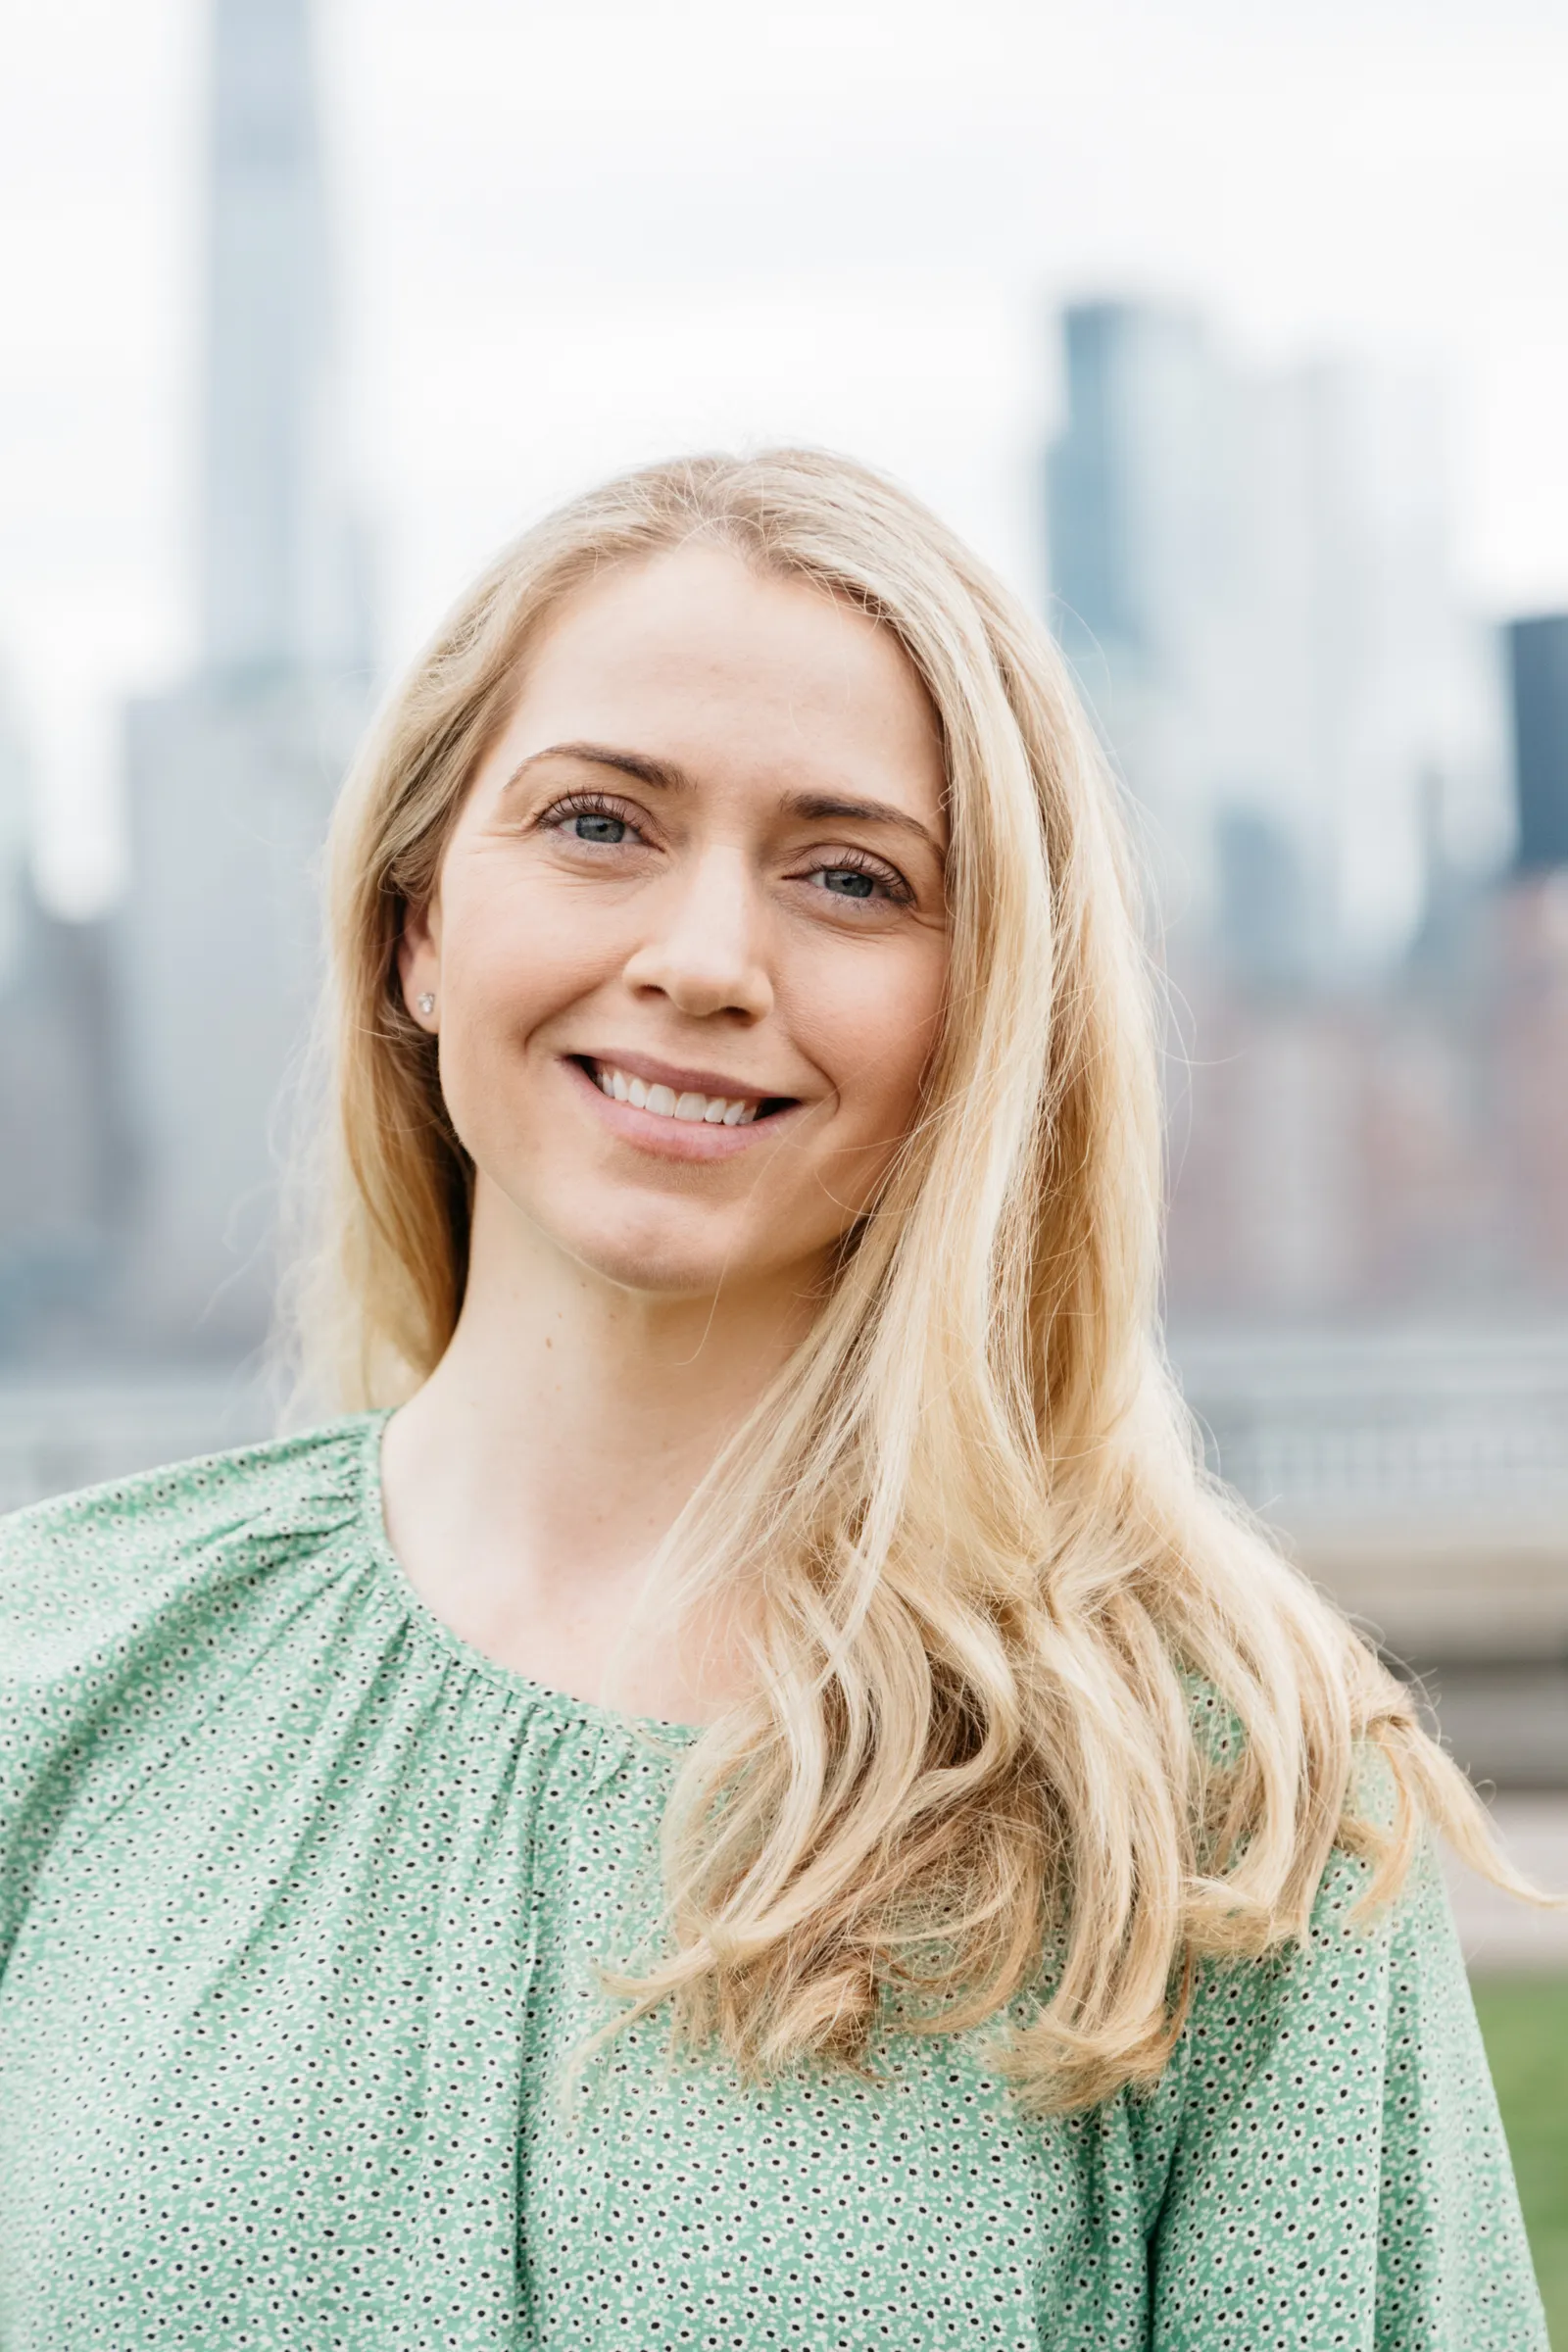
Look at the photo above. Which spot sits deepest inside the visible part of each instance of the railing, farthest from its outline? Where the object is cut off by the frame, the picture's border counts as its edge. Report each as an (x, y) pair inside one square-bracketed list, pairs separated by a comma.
[(1408, 1426)]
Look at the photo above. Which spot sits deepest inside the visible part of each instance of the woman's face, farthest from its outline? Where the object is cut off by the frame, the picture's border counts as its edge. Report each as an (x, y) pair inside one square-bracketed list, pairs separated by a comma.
[(689, 941)]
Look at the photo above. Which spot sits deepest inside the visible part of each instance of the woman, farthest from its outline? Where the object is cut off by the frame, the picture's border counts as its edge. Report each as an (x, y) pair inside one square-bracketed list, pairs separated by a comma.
[(770, 1802)]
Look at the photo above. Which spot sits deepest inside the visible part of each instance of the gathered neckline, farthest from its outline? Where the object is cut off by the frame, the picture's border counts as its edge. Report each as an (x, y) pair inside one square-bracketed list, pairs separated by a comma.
[(586, 1713)]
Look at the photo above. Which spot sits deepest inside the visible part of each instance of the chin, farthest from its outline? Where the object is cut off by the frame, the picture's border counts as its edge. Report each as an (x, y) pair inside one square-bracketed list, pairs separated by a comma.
[(680, 1256), (669, 1271)]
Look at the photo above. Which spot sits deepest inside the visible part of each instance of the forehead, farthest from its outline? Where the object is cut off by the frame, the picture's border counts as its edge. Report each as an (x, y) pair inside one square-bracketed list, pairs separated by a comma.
[(696, 657)]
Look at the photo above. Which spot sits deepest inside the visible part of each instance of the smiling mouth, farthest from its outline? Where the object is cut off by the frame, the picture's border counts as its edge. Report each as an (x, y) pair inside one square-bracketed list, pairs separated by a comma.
[(667, 1102)]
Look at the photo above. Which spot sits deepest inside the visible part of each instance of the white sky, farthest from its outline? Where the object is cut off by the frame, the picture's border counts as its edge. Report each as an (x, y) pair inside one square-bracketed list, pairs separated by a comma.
[(577, 235)]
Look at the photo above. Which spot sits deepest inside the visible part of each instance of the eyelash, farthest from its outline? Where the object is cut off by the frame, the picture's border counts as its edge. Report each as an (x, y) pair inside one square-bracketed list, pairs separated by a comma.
[(585, 803), (856, 861), (845, 861)]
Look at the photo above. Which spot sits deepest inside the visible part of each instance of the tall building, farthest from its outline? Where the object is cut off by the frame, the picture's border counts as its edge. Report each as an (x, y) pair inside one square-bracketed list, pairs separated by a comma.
[(15, 832), (1140, 513), (1538, 665), (279, 586), (1251, 574), (231, 777), (1530, 1065), (58, 1169)]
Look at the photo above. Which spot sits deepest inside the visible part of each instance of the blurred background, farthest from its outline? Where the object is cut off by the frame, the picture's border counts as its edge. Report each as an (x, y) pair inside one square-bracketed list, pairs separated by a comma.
[(1236, 338)]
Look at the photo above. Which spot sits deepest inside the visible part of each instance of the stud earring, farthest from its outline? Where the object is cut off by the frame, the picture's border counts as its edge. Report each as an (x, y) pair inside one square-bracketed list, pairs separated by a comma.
[(426, 1004)]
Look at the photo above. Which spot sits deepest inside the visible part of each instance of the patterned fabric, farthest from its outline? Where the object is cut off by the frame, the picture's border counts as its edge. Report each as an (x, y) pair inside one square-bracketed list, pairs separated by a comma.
[(300, 1897)]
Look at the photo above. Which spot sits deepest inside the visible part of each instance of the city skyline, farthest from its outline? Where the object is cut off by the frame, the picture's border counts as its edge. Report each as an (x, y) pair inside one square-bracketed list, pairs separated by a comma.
[(1253, 569), (843, 225)]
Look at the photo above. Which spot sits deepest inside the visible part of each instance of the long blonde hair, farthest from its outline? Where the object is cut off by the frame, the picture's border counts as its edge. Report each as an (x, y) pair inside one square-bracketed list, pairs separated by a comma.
[(1038, 1710)]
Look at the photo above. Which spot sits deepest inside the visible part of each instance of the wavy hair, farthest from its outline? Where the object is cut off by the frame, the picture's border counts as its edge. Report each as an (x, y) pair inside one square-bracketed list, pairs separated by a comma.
[(999, 1606)]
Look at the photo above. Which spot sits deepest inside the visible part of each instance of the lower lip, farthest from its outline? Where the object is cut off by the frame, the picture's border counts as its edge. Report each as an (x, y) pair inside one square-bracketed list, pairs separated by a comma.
[(671, 1138)]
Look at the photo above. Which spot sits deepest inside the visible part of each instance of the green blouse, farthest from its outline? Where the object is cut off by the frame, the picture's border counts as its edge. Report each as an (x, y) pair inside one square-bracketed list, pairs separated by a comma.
[(299, 1903)]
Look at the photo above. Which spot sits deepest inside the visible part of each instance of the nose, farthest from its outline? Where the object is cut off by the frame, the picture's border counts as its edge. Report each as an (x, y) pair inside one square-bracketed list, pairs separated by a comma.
[(705, 947)]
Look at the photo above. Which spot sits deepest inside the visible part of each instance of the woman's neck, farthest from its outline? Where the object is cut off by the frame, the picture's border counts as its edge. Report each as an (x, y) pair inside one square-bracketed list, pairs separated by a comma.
[(529, 1481)]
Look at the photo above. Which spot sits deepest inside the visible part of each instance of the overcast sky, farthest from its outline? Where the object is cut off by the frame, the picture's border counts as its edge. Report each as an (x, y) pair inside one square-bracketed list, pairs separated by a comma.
[(577, 235)]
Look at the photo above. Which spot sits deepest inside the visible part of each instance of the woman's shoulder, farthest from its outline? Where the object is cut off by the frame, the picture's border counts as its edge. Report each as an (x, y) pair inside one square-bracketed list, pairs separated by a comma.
[(79, 1570), (131, 1612)]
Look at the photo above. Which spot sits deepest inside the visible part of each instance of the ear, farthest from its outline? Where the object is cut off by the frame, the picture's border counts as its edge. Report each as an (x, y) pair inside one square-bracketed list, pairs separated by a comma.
[(419, 964)]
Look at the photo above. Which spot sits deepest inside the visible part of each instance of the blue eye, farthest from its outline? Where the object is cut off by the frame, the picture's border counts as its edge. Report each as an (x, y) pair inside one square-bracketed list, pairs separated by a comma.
[(846, 883), (590, 826)]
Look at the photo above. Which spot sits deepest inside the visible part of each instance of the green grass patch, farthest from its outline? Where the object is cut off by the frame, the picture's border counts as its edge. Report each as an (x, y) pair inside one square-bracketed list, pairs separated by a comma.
[(1525, 2023)]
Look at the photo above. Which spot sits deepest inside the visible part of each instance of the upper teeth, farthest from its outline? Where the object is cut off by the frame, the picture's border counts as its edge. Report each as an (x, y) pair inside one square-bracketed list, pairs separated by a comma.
[(666, 1104)]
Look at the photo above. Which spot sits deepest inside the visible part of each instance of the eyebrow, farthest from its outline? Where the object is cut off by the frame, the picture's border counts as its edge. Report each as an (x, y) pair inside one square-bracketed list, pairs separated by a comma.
[(665, 776)]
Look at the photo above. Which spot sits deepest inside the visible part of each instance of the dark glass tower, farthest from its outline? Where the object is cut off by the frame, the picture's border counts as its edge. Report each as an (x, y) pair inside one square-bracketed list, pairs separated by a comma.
[(1537, 665)]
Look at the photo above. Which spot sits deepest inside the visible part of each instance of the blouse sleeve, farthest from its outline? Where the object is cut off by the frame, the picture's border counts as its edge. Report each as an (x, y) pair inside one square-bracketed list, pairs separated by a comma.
[(1340, 2177)]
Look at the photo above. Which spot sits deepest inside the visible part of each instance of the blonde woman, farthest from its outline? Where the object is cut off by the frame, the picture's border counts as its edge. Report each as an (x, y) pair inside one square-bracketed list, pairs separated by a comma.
[(752, 1792)]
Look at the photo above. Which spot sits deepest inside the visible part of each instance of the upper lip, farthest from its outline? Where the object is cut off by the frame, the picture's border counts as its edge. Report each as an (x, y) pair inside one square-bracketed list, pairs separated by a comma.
[(686, 1082)]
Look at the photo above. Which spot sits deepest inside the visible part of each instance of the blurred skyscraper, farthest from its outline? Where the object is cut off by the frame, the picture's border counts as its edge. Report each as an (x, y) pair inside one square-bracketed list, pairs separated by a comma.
[(231, 777), (56, 1169), (1533, 1056), (15, 832), (1140, 513), (1537, 651), (1251, 575)]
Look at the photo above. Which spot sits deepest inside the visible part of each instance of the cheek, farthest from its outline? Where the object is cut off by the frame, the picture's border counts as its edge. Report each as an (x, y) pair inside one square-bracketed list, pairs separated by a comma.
[(510, 958), (876, 1019), (512, 961)]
